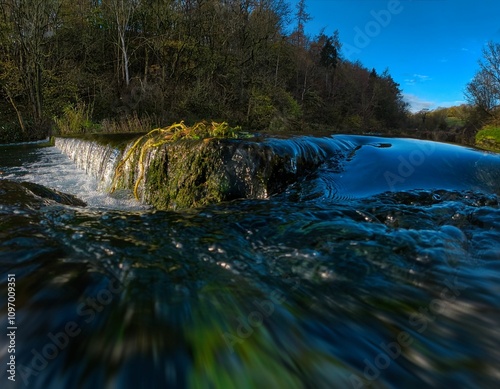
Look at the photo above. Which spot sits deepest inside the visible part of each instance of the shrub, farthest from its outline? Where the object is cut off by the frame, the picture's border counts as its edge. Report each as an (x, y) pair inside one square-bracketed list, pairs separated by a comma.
[(76, 119)]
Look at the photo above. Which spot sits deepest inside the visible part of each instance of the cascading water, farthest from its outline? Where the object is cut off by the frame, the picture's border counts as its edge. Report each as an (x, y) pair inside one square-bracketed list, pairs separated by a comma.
[(378, 266), (47, 166), (97, 160)]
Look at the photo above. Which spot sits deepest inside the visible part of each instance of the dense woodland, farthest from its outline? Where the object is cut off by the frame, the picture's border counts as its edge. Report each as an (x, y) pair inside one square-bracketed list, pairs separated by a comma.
[(248, 62), (121, 65)]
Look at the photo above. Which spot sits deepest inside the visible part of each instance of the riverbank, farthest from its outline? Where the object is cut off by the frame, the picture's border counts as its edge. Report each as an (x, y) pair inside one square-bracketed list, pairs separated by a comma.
[(489, 138), (9, 135), (486, 139)]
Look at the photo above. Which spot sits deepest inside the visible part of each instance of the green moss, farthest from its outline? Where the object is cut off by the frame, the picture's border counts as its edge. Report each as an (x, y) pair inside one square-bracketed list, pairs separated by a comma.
[(177, 166), (179, 177), (489, 138)]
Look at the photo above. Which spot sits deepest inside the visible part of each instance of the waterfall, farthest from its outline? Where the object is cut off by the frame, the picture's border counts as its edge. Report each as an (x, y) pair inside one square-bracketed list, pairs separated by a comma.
[(98, 160)]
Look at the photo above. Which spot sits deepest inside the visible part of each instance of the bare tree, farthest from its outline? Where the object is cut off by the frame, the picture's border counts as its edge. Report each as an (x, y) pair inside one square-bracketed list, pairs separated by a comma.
[(484, 89), (491, 64), (123, 11)]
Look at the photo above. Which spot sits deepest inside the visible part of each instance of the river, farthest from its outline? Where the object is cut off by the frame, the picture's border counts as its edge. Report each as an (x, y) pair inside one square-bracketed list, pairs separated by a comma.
[(379, 269)]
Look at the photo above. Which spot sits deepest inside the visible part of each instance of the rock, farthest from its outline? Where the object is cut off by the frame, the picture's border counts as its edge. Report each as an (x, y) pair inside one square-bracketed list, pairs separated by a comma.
[(52, 194), (191, 173)]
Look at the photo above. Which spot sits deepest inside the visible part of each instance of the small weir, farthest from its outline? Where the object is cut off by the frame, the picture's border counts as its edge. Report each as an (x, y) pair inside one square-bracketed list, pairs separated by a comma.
[(190, 173), (201, 172)]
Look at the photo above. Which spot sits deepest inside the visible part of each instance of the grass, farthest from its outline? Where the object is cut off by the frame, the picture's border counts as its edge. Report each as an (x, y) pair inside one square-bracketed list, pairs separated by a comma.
[(489, 138), (454, 122), (76, 119), (130, 124)]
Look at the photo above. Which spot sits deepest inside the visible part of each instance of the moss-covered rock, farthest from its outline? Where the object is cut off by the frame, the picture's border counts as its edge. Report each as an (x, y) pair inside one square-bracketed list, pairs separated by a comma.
[(190, 173)]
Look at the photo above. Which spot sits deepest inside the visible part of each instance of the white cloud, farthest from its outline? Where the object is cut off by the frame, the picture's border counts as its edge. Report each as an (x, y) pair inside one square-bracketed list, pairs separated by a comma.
[(417, 79), (416, 103), (421, 77)]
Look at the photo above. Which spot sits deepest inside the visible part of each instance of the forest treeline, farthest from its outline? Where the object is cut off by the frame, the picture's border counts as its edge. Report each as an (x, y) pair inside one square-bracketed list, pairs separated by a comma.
[(96, 64)]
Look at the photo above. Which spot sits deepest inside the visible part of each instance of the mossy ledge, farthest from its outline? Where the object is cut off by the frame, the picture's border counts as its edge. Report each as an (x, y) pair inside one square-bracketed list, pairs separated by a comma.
[(489, 138), (195, 171)]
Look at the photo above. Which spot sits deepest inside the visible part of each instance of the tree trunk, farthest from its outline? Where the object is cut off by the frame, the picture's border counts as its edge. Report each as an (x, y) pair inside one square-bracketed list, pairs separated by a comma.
[(18, 113), (125, 59)]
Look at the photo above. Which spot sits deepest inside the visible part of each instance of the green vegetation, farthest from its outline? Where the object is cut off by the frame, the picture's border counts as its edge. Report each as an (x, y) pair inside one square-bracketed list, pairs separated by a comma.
[(161, 136), (489, 138), (444, 124), (76, 119), (483, 93), (74, 67)]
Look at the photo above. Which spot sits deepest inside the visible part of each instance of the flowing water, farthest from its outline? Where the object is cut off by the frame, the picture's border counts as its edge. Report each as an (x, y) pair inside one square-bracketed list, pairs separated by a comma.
[(379, 269)]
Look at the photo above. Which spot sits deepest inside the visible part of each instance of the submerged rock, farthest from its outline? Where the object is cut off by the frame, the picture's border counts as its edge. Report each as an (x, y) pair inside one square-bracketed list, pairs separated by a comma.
[(29, 193), (52, 194)]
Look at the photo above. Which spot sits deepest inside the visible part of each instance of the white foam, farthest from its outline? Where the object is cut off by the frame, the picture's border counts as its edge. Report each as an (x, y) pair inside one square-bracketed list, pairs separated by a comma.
[(55, 170)]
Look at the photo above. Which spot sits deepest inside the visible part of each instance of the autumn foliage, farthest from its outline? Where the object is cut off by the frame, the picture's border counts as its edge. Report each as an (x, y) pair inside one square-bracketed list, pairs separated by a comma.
[(248, 62)]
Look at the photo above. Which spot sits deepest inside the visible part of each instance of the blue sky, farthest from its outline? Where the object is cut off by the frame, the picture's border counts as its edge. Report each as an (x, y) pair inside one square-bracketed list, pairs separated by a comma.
[(431, 47)]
